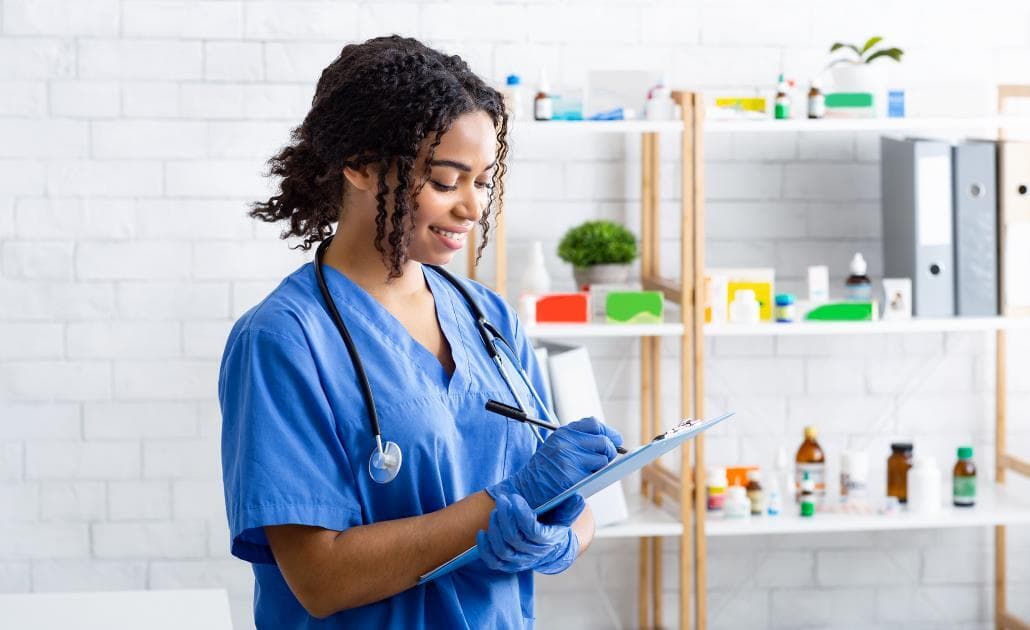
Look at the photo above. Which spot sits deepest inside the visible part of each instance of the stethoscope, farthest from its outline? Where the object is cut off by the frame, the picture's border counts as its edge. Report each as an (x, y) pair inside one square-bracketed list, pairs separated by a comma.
[(385, 461)]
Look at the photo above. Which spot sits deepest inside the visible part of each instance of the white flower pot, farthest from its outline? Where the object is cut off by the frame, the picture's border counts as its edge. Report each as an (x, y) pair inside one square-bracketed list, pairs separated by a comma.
[(863, 77), (601, 274)]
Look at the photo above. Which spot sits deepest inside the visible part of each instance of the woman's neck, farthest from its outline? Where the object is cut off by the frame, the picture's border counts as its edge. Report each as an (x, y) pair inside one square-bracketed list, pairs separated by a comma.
[(355, 256)]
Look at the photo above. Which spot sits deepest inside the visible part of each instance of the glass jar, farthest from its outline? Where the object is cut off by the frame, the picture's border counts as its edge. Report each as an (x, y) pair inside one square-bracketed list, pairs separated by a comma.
[(897, 470)]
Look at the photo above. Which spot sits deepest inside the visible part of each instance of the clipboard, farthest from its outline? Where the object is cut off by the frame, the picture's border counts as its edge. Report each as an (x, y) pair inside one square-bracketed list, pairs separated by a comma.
[(614, 471)]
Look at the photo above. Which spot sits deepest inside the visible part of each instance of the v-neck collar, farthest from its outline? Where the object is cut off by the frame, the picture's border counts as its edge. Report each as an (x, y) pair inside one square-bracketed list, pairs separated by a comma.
[(387, 328)]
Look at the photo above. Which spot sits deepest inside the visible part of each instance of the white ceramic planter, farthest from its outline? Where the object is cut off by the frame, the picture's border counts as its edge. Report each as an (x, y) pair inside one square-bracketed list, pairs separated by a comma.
[(601, 274), (863, 77)]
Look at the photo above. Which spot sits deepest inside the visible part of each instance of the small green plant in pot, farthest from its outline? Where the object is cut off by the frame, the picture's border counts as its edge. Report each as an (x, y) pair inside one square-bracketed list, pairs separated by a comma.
[(599, 252), (857, 71)]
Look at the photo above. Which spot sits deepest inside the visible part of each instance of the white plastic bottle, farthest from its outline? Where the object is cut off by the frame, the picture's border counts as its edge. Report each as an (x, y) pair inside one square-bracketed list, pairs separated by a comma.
[(924, 486), (513, 97), (744, 309), (737, 503), (535, 280)]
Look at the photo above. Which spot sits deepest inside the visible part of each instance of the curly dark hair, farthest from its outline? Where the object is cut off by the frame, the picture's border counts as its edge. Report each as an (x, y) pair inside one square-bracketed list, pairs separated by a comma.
[(375, 104)]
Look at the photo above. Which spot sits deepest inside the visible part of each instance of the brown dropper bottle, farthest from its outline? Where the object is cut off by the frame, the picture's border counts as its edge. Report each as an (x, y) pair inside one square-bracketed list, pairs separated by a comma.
[(810, 459), (897, 470)]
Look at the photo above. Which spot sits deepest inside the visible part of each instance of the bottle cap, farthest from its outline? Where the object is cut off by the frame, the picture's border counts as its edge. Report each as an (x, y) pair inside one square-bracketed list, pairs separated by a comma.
[(858, 265), (784, 299), (544, 86), (513, 79), (736, 492), (754, 475), (965, 452), (810, 432), (717, 474), (901, 447), (744, 295)]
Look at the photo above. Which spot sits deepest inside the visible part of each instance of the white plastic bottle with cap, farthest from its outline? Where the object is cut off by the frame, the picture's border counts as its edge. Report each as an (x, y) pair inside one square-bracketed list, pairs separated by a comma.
[(535, 281), (744, 309), (858, 286), (924, 486), (659, 104), (543, 103), (513, 97)]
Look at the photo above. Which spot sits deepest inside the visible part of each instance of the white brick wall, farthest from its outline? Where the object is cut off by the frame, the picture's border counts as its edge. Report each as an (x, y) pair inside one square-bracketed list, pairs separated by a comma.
[(134, 132)]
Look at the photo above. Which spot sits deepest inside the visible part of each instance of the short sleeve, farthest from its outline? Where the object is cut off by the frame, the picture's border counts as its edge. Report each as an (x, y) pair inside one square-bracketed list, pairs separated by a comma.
[(282, 461)]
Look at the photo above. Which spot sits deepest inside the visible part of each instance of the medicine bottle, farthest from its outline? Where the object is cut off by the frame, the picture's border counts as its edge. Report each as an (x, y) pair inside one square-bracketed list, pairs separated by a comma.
[(816, 101), (964, 479), (807, 496), (811, 462), (897, 470), (543, 104), (755, 495), (737, 504), (785, 311), (781, 105), (716, 489), (858, 286)]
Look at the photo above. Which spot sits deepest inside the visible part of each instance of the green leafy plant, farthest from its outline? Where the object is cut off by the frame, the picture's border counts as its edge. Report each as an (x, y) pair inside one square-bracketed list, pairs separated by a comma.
[(866, 54), (597, 243)]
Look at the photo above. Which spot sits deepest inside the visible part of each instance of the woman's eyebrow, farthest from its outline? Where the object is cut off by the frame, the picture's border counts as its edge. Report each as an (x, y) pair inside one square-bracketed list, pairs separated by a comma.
[(461, 166)]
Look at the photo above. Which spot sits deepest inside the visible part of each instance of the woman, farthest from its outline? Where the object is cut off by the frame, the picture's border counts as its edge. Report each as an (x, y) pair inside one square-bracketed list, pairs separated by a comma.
[(404, 149)]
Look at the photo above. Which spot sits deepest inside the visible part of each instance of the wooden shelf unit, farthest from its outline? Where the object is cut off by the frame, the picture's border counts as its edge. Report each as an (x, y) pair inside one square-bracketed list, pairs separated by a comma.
[(651, 518)]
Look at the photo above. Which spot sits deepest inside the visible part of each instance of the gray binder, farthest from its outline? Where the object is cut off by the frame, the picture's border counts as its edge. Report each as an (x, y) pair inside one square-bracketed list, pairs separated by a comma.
[(974, 194), (917, 221)]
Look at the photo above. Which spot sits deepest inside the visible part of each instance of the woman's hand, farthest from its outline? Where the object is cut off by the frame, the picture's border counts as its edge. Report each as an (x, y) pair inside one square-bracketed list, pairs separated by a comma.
[(516, 541), (568, 455)]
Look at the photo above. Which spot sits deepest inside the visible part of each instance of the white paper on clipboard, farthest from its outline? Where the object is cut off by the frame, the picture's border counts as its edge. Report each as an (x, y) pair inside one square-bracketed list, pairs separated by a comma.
[(613, 472)]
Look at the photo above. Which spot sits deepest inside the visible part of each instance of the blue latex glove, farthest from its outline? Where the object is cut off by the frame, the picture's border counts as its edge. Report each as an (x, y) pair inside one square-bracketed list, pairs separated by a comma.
[(568, 455), (516, 541)]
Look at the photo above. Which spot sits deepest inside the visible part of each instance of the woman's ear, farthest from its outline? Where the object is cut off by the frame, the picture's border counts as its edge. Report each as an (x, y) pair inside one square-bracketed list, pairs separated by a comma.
[(363, 177)]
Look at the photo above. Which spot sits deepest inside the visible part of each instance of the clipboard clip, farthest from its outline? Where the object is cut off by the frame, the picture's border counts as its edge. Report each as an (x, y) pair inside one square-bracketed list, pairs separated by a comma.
[(683, 425)]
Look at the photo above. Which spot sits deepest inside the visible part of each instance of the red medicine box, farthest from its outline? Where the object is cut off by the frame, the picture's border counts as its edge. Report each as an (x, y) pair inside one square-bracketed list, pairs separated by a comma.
[(563, 308)]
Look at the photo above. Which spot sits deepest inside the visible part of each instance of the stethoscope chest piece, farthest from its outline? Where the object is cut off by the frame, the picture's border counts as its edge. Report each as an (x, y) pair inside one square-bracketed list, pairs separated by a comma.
[(385, 462)]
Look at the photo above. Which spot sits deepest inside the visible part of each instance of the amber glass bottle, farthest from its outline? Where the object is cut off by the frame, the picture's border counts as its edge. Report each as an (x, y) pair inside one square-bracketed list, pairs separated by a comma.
[(810, 459), (897, 470)]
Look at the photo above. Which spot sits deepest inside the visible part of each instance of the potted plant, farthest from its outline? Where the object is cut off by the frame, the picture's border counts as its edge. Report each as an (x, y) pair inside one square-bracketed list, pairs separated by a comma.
[(599, 252), (856, 72)]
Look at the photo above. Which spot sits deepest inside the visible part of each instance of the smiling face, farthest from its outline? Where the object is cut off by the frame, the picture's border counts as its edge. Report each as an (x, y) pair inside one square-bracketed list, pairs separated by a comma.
[(458, 190)]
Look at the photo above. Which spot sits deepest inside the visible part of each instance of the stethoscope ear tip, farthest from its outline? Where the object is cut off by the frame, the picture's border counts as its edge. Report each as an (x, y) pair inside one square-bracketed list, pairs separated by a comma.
[(384, 465)]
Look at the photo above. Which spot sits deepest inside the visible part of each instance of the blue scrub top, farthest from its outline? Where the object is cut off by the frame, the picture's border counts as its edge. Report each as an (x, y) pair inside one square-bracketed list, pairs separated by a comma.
[(296, 440)]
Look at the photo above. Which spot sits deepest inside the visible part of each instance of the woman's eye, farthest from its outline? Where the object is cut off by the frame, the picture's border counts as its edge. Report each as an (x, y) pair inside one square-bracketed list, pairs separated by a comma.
[(443, 187), (485, 185)]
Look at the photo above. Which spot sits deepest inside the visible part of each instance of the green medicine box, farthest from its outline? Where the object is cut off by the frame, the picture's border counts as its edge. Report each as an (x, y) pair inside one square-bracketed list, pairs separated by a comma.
[(634, 307)]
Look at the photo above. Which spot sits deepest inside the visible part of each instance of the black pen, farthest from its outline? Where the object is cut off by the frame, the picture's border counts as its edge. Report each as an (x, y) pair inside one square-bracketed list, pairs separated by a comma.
[(517, 414)]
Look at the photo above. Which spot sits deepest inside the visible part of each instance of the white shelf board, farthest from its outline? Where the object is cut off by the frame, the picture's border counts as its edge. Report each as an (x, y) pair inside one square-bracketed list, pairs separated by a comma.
[(935, 123), (603, 126), (914, 325), (769, 125), (645, 519), (994, 506), (561, 331)]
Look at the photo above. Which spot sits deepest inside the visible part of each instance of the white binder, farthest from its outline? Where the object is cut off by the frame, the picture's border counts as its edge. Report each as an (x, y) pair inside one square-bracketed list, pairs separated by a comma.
[(1014, 211)]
